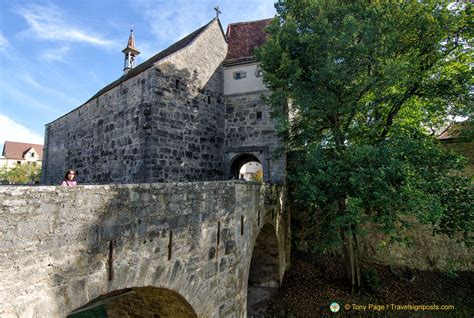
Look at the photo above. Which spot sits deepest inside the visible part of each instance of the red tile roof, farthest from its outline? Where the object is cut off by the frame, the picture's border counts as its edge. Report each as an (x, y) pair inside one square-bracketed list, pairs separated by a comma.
[(16, 150), (458, 130), (243, 38)]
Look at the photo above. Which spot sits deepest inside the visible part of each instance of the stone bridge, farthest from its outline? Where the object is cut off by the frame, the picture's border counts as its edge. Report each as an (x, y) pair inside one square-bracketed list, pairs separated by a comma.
[(140, 250)]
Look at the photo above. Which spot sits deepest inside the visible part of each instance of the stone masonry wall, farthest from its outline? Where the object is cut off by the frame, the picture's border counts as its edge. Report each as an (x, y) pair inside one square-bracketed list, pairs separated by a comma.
[(189, 119), (202, 57), (186, 131), (164, 124), (159, 134), (425, 251), (62, 247), (106, 139), (250, 129)]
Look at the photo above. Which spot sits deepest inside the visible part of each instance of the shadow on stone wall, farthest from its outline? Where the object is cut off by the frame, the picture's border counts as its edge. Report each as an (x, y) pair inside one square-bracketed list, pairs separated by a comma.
[(264, 268), (126, 248), (186, 128)]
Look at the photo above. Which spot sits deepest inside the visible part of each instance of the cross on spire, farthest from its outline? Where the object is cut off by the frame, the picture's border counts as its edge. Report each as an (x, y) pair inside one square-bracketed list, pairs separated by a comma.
[(217, 12)]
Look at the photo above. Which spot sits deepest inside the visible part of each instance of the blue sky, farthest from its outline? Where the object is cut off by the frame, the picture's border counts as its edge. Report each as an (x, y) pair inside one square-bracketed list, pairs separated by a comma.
[(55, 55)]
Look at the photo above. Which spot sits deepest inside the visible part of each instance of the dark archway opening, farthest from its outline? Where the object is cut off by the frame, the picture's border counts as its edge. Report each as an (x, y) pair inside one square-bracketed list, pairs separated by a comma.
[(137, 302), (246, 167), (264, 274)]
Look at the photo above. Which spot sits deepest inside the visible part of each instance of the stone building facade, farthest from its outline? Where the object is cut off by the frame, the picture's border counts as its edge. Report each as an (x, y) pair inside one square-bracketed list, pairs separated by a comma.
[(186, 114)]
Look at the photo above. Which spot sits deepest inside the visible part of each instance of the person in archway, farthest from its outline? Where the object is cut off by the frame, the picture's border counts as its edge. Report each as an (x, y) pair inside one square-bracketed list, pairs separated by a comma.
[(69, 179)]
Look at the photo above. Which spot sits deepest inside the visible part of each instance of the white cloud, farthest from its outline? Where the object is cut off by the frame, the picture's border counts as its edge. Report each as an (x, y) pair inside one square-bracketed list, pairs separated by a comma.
[(19, 95), (172, 20), (147, 50), (5, 45), (242, 11), (28, 79), (23, 82), (49, 23), (13, 131), (266, 9), (55, 54), (3, 41)]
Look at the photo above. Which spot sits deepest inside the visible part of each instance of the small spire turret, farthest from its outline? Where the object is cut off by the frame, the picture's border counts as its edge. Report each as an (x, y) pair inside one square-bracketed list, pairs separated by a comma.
[(130, 53)]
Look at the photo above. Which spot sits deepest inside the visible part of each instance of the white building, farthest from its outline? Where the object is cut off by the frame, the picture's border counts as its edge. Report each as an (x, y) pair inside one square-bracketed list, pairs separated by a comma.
[(16, 153), (249, 170)]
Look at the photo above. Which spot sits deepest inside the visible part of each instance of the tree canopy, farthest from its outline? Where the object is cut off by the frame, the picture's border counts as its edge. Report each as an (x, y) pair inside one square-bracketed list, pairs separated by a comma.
[(21, 174), (360, 89)]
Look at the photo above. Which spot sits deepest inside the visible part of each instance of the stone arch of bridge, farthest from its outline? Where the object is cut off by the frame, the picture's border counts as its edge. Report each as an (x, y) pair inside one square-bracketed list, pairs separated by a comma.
[(137, 302), (240, 160), (264, 269)]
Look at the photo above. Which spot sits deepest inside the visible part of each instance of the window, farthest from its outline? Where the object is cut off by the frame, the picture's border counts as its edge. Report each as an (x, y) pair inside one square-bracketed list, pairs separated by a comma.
[(32, 155), (259, 115), (18, 162), (239, 75), (209, 100), (177, 84)]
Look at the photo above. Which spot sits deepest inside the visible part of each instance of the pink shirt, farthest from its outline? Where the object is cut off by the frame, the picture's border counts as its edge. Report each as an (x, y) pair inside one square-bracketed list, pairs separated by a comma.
[(67, 183)]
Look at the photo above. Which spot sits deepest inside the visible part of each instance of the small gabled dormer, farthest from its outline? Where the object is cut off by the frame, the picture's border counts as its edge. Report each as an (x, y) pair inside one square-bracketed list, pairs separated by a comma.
[(31, 155)]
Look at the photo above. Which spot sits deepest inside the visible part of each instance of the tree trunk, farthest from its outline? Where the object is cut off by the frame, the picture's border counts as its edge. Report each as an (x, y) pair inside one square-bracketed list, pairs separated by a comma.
[(357, 259), (350, 249), (348, 232)]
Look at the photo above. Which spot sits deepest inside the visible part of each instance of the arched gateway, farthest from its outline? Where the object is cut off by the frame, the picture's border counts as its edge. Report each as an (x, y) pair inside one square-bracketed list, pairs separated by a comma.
[(244, 165)]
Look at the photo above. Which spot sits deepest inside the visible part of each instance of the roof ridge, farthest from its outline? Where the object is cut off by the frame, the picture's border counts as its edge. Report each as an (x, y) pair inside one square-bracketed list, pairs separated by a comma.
[(16, 150), (254, 21), (20, 142), (173, 48), (152, 60)]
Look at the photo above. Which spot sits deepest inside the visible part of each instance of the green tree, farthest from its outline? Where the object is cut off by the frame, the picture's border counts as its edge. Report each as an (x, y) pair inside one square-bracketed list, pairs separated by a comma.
[(360, 88), (257, 176), (21, 174)]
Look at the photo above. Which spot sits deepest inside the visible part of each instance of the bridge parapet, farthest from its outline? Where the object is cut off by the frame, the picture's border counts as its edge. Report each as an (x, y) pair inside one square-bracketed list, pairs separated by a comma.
[(61, 248)]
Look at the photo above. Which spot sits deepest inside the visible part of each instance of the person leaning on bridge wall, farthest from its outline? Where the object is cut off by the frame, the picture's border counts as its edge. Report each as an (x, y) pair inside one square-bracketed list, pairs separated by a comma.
[(69, 179)]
